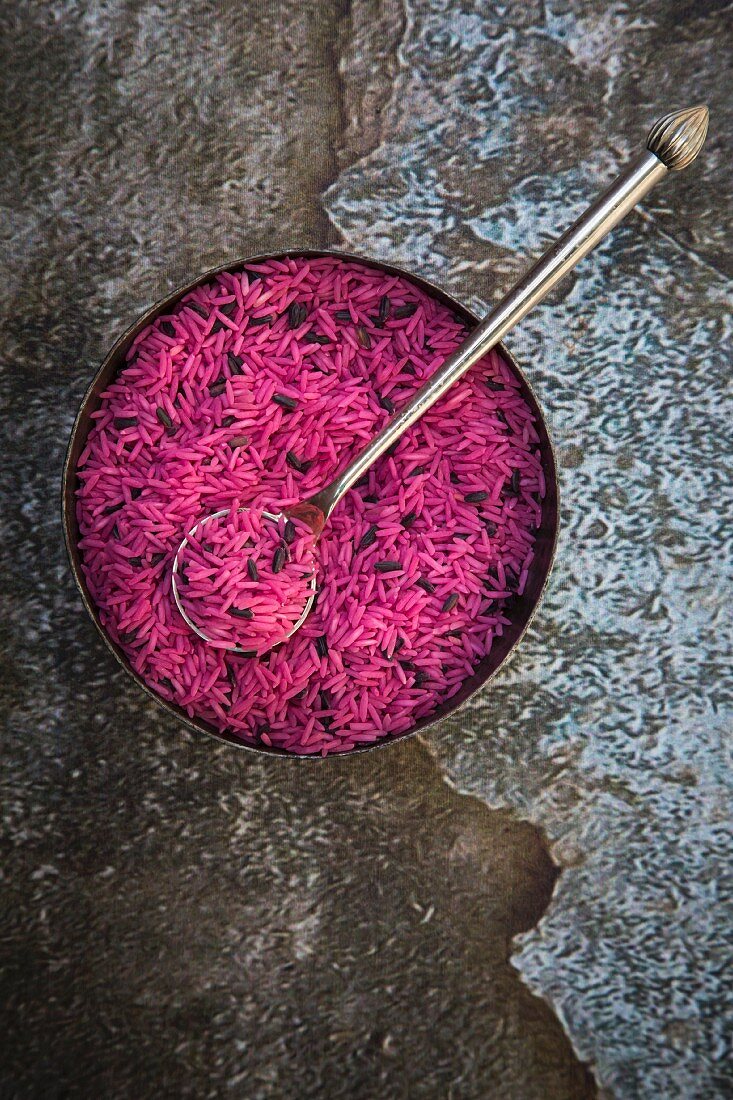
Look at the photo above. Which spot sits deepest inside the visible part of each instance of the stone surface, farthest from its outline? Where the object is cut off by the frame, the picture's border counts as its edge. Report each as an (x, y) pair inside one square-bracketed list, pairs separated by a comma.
[(184, 920)]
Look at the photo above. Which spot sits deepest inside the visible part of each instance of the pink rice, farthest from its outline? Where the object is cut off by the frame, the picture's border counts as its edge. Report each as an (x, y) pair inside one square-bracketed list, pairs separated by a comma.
[(244, 580), (254, 392)]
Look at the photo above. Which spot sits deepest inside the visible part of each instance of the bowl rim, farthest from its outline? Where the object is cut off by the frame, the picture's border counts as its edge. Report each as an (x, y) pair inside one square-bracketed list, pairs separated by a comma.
[(69, 483)]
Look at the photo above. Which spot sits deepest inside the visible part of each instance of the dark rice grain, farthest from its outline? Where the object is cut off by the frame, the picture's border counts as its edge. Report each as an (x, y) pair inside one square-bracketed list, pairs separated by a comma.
[(368, 538), (297, 314), (278, 561), (299, 464), (289, 532), (387, 566), (285, 402)]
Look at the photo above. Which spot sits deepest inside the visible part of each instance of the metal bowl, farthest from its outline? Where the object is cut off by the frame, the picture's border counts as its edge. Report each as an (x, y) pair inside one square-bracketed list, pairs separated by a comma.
[(523, 608)]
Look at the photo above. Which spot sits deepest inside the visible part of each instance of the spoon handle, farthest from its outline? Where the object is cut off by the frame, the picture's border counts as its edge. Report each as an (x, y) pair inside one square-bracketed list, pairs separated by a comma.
[(672, 144)]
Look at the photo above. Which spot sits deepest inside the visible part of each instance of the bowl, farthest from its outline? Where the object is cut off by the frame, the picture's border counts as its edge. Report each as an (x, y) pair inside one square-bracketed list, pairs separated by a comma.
[(523, 607)]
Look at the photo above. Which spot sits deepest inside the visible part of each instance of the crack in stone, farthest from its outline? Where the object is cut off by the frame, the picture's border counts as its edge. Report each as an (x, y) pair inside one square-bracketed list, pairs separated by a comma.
[(330, 232), (546, 846), (556, 863), (542, 898), (366, 60)]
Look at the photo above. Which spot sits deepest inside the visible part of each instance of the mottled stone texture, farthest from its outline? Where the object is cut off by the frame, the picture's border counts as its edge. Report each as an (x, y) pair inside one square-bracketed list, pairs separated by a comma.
[(183, 920)]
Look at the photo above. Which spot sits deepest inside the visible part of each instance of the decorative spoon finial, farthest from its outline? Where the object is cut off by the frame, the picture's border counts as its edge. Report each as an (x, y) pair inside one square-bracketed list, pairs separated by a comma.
[(677, 138)]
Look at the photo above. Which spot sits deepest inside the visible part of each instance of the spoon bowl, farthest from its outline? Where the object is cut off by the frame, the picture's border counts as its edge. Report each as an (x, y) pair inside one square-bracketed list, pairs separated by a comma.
[(237, 650)]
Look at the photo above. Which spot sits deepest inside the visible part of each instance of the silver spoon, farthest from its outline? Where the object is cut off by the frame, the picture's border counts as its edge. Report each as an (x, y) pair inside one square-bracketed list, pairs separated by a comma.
[(673, 143)]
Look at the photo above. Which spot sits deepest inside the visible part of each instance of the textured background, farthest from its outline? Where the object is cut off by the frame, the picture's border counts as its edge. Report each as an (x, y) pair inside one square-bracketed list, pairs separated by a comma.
[(182, 920)]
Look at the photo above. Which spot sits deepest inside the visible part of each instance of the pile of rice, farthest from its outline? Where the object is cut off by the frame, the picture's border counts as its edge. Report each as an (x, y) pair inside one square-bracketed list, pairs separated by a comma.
[(253, 392)]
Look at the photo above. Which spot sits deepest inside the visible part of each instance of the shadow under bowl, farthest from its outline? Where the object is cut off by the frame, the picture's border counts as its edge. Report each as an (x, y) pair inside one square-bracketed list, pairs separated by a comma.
[(523, 607)]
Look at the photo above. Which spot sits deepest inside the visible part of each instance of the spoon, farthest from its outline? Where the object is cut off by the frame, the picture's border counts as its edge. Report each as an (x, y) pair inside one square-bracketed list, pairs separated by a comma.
[(672, 144)]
